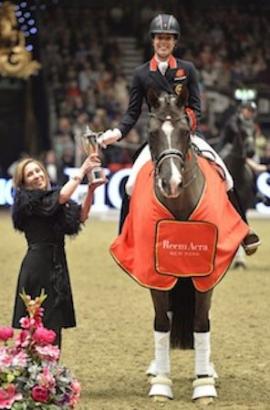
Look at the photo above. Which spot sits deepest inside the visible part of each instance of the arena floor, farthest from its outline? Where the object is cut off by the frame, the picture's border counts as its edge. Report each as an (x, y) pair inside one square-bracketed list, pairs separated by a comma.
[(112, 345)]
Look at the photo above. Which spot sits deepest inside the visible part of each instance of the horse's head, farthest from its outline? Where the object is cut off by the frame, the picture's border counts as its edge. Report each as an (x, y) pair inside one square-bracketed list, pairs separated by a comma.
[(169, 141)]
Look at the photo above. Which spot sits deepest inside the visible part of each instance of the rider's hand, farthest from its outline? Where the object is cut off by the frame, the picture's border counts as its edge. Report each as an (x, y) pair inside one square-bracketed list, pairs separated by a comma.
[(191, 118), (109, 137)]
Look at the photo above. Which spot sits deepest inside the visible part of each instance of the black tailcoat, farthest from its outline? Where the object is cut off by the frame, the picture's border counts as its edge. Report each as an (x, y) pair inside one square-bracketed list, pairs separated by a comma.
[(179, 73)]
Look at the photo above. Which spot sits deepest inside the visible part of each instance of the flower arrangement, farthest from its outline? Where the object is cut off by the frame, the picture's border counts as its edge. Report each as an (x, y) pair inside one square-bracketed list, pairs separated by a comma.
[(30, 374)]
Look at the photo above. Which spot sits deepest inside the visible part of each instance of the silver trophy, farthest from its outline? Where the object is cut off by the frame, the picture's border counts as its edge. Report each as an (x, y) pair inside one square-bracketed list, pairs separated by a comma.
[(91, 146)]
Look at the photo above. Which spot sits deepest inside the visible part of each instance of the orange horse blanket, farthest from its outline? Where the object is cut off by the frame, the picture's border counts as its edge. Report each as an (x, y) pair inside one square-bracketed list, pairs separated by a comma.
[(138, 248)]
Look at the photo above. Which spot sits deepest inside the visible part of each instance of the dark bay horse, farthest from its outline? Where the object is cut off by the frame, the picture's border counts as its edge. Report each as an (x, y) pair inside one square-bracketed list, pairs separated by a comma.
[(178, 185), (178, 191), (242, 147)]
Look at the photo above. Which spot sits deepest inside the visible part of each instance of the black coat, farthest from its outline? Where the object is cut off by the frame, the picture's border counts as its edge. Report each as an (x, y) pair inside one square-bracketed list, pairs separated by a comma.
[(45, 222), (147, 76), (236, 125)]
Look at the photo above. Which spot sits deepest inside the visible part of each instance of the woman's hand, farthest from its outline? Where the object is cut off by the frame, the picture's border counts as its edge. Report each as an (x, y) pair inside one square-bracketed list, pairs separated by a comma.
[(93, 185), (92, 161)]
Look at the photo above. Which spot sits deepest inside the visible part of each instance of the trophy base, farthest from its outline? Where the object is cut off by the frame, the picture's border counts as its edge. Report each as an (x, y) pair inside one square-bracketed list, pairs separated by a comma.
[(96, 175)]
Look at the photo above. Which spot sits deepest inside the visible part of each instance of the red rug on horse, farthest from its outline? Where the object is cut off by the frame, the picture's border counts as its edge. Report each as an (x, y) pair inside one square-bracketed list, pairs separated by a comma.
[(156, 250)]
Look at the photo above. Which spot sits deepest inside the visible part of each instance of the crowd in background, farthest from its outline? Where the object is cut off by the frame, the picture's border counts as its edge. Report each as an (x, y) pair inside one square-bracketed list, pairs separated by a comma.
[(82, 61)]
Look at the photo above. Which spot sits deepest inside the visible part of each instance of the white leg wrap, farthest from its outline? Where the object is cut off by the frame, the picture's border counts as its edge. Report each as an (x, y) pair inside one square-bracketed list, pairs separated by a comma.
[(152, 368), (209, 152), (162, 353), (202, 353), (143, 157)]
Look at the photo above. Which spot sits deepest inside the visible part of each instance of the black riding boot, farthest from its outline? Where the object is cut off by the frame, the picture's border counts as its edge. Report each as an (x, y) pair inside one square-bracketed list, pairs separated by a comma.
[(251, 241), (124, 211)]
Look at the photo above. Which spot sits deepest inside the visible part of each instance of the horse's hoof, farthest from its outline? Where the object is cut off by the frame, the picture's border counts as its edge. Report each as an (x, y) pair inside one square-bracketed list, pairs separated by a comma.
[(204, 401), (204, 390), (161, 389), (160, 399)]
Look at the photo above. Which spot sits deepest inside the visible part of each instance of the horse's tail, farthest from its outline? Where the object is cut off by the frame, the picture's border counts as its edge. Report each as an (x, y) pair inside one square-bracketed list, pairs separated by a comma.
[(182, 298)]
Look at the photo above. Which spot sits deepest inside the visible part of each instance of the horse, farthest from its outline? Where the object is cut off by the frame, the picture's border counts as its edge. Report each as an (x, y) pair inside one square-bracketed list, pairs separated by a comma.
[(178, 185), (177, 175), (235, 158)]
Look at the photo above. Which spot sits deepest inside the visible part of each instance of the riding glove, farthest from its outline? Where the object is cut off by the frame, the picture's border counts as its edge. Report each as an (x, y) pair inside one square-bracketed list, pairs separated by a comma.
[(109, 137)]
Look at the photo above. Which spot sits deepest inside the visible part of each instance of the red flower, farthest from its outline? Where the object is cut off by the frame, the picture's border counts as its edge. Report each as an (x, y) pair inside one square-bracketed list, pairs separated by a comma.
[(6, 333), (40, 394), (43, 336)]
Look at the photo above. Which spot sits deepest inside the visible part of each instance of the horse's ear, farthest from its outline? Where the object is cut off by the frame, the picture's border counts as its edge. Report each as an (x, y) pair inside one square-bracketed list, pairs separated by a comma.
[(182, 95), (153, 98)]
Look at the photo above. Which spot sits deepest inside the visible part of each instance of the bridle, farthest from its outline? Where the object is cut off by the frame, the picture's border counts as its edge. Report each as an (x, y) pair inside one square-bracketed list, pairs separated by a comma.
[(174, 152)]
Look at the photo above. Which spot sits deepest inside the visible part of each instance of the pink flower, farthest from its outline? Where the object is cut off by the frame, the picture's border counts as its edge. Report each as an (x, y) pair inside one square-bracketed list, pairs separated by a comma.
[(40, 394), (27, 322), (49, 352), (23, 339), (19, 359), (43, 336), (46, 379), (76, 390), (8, 396), (76, 387), (6, 333), (5, 358)]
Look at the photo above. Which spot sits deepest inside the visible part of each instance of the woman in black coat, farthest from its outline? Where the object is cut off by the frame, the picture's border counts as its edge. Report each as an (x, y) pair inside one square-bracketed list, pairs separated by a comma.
[(45, 216)]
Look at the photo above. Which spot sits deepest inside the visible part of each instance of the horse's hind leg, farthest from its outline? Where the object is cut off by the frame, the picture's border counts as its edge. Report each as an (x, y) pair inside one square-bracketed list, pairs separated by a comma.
[(204, 384), (161, 383)]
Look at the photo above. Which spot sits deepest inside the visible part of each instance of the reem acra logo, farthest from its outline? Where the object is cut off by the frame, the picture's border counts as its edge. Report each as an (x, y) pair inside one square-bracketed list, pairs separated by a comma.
[(189, 246)]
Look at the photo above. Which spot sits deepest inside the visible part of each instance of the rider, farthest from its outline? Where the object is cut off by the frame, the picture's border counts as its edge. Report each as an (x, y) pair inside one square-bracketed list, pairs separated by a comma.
[(165, 73), (241, 122)]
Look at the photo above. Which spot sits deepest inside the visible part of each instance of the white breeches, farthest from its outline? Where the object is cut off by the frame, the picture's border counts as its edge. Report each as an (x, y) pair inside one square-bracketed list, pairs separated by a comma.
[(206, 150)]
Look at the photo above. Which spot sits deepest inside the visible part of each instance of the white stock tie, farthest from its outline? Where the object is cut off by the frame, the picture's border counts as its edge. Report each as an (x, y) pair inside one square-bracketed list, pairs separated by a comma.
[(162, 66)]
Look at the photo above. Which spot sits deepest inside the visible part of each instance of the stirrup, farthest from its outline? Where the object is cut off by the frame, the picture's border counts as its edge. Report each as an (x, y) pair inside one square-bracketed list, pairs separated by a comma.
[(161, 387), (204, 387)]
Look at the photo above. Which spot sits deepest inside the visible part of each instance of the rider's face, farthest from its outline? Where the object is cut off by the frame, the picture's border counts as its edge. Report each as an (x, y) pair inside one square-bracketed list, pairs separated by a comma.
[(163, 45), (248, 113)]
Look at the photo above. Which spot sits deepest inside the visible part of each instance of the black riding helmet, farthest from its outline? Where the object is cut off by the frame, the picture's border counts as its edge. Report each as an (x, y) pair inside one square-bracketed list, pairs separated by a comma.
[(250, 105), (164, 23)]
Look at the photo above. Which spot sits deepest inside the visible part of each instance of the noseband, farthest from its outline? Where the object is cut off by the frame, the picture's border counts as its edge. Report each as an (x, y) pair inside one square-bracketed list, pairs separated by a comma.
[(169, 153)]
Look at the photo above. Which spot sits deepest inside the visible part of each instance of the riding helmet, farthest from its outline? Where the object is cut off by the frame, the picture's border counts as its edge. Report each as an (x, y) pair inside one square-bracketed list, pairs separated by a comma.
[(164, 23), (251, 105)]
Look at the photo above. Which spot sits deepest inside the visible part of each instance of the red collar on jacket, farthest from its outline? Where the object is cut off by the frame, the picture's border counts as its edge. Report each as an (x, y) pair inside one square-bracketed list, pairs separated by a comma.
[(154, 64)]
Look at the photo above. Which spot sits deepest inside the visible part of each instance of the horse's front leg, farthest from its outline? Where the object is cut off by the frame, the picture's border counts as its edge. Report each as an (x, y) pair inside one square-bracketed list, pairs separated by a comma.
[(161, 368), (204, 384)]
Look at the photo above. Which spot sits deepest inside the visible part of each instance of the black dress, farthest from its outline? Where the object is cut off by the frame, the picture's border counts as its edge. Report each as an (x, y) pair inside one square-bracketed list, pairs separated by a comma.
[(45, 223)]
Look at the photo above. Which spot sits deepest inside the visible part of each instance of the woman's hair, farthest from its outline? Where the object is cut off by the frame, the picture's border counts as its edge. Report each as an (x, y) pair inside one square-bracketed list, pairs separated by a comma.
[(18, 177)]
